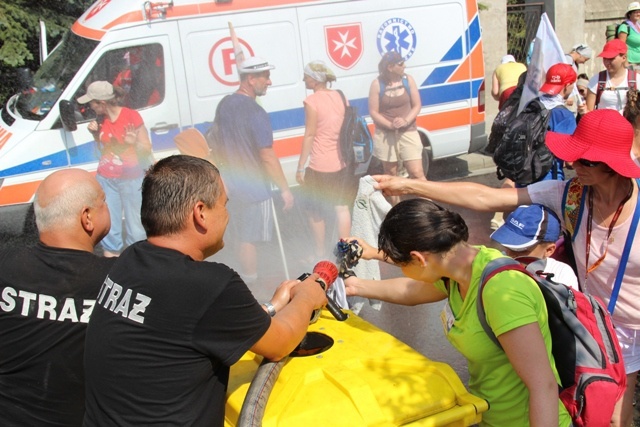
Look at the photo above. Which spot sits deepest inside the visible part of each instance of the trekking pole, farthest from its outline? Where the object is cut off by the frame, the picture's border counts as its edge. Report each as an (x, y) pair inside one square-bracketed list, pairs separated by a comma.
[(277, 227)]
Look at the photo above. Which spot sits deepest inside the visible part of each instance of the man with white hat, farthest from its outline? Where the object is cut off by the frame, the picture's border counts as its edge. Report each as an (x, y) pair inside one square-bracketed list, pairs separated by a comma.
[(244, 149)]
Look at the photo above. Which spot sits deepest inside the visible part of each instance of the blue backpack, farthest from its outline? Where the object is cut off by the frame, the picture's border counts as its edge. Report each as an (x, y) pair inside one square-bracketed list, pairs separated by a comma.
[(356, 144)]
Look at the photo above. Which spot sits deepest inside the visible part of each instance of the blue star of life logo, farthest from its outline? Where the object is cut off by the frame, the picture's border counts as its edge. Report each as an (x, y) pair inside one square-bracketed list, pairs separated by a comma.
[(399, 35)]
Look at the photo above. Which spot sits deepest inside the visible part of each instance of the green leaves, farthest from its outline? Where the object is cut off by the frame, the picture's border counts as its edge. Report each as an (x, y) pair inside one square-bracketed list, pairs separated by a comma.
[(20, 33)]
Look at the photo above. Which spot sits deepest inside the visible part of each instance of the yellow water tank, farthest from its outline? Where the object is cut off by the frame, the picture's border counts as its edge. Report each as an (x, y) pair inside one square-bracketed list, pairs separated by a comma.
[(357, 375)]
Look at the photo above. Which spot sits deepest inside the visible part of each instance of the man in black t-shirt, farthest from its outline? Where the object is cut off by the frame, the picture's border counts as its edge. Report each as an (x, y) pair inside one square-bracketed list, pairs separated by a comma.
[(47, 293), (167, 325)]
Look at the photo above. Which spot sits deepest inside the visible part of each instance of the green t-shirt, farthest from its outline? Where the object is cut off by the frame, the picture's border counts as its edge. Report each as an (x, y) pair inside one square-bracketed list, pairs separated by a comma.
[(633, 43), (511, 300)]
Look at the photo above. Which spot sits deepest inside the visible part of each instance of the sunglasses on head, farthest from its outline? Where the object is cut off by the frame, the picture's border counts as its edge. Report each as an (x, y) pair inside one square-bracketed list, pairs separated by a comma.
[(588, 163)]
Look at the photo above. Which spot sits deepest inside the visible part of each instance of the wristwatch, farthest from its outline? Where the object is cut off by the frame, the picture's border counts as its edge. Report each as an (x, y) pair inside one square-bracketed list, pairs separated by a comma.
[(270, 308)]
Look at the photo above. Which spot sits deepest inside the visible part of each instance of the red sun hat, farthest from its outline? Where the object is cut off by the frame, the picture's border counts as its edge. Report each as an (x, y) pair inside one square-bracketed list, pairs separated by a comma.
[(601, 136), (558, 76)]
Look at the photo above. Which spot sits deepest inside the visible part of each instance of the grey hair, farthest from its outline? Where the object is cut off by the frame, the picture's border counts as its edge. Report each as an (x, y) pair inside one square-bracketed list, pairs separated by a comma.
[(64, 209)]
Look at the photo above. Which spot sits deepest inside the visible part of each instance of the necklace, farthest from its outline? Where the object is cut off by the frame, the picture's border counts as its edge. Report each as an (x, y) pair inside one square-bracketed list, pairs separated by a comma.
[(602, 221), (612, 224)]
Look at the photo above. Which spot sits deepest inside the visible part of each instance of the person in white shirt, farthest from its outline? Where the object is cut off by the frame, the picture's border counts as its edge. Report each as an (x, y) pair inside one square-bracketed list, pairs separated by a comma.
[(615, 82), (532, 231)]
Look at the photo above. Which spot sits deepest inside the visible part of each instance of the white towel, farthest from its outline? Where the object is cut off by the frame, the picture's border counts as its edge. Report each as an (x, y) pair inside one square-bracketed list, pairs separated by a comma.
[(369, 210)]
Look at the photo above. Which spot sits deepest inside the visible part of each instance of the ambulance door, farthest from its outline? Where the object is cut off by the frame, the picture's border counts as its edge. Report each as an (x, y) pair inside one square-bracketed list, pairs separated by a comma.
[(143, 68)]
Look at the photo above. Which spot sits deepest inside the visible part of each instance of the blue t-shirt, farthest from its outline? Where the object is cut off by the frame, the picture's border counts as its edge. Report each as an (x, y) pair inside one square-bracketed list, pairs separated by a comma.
[(561, 120), (245, 129)]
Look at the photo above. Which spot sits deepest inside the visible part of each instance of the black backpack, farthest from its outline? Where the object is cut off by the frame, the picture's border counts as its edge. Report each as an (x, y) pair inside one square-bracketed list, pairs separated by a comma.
[(504, 117), (356, 144), (522, 155)]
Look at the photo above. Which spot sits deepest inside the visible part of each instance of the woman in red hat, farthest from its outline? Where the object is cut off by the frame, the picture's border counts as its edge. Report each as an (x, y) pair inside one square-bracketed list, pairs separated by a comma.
[(600, 152), (608, 88)]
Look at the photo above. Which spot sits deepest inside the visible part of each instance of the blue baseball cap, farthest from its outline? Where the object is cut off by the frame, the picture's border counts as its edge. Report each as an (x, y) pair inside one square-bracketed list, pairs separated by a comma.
[(527, 226)]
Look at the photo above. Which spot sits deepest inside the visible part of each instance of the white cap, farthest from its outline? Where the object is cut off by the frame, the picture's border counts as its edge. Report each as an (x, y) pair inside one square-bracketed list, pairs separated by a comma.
[(583, 50), (255, 64), (508, 58), (98, 91)]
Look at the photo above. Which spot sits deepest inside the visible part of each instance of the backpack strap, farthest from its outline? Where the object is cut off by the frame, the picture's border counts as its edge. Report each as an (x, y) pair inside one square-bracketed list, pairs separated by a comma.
[(491, 269), (602, 82), (344, 98), (573, 199), (405, 83), (383, 87), (631, 79), (622, 265)]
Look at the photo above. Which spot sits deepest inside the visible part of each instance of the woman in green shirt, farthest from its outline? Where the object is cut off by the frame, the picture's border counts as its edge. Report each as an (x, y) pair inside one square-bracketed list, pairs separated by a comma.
[(429, 243), (629, 32)]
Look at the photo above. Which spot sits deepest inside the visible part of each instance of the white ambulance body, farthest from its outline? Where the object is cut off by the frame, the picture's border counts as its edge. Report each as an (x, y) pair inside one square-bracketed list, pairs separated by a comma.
[(176, 59)]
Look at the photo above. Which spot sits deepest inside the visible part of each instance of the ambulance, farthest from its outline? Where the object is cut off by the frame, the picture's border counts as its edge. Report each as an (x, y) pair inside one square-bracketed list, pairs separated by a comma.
[(176, 61)]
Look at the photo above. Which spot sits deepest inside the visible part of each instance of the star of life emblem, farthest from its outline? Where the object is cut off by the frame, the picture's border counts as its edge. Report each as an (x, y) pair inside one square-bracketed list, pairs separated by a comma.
[(399, 35), (344, 44)]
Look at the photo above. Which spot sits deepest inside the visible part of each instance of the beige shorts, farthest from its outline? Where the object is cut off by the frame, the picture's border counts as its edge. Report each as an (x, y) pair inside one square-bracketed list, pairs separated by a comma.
[(391, 147)]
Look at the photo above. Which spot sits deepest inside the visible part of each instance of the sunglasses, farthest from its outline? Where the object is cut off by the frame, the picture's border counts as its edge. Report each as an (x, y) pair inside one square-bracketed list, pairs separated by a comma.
[(588, 163)]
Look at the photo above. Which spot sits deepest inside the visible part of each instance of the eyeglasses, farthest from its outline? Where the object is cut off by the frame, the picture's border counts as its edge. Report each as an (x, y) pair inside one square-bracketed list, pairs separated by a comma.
[(588, 163)]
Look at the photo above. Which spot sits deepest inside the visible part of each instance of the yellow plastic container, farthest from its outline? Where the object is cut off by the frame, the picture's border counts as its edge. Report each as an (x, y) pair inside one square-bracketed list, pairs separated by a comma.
[(366, 378)]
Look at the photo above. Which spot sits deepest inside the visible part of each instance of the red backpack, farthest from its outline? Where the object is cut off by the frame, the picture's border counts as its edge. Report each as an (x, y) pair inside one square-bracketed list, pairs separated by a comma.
[(584, 344)]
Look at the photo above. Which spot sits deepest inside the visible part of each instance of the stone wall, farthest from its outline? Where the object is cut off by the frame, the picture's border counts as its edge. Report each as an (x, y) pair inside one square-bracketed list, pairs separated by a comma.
[(574, 21)]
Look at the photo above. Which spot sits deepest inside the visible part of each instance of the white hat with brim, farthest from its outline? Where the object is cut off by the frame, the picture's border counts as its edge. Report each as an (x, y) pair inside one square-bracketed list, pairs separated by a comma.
[(97, 91), (255, 64)]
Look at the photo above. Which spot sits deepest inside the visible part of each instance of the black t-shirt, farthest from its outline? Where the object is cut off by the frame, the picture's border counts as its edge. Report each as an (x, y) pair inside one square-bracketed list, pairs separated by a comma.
[(163, 334), (46, 297)]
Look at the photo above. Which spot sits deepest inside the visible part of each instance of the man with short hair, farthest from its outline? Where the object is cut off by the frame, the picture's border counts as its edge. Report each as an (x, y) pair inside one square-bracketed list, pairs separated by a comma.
[(47, 295), (167, 325), (248, 163)]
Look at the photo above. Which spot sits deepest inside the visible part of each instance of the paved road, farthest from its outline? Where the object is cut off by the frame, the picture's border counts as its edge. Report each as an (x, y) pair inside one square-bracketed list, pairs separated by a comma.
[(419, 327)]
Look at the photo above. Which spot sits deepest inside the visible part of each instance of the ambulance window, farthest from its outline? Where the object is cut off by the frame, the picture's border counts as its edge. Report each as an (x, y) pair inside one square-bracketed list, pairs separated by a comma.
[(54, 75), (137, 70)]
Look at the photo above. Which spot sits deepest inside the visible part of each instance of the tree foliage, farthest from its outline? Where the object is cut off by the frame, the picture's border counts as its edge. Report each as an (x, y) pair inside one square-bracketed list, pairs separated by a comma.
[(20, 33)]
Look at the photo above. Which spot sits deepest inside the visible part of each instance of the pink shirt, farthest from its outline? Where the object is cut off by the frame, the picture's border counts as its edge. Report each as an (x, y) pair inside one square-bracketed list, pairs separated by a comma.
[(329, 110), (600, 281)]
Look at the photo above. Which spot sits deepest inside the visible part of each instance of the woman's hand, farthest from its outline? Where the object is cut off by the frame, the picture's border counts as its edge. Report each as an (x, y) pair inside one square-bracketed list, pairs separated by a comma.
[(399, 123), (368, 251), (351, 286), (130, 134), (93, 127), (300, 176)]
